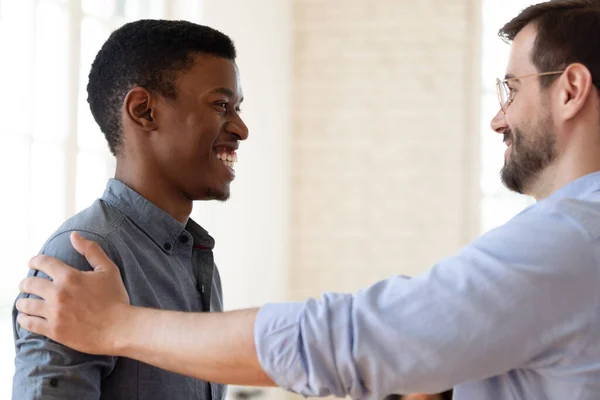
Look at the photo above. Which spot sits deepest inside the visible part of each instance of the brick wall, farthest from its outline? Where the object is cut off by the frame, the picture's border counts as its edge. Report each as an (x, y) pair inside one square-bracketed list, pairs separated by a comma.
[(363, 154), (384, 138)]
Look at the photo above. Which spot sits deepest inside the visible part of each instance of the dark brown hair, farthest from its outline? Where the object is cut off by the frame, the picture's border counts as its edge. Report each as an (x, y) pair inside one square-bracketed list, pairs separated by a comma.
[(568, 31)]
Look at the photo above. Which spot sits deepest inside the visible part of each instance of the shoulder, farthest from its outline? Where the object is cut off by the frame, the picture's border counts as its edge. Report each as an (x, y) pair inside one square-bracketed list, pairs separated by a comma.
[(100, 219), (555, 237), (98, 222)]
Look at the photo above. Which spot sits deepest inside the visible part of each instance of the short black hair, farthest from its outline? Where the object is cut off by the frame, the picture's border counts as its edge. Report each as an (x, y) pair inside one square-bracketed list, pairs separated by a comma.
[(146, 53)]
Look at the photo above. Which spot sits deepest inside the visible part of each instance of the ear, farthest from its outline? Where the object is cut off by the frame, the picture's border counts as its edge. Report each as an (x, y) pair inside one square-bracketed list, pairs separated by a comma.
[(139, 108), (575, 87)]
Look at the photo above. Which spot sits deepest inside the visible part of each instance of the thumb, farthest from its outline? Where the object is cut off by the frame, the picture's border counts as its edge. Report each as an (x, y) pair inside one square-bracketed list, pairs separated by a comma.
[(92, 252)]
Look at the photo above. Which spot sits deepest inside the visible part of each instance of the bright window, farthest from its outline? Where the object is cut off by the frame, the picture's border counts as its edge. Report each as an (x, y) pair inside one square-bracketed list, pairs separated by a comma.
[(498, 204), (54, 159)]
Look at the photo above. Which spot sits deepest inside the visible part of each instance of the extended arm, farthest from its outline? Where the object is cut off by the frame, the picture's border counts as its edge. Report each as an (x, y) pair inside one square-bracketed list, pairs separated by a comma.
[(492, 308)]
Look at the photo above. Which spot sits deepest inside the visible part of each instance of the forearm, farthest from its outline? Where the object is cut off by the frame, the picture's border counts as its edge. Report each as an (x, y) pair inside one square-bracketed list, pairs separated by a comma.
[(216, 347)]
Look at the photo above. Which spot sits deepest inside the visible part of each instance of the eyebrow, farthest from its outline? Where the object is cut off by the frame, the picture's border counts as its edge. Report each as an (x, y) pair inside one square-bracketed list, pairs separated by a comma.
[(511, 77), (226, 91)]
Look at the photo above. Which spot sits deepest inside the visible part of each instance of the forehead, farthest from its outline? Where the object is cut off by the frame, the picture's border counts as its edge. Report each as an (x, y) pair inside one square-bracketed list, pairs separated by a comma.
[(207, 73), (519, 59)]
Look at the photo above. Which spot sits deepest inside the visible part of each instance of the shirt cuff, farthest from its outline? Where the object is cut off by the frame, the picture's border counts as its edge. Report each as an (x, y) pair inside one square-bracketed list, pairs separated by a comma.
[(277, 336)]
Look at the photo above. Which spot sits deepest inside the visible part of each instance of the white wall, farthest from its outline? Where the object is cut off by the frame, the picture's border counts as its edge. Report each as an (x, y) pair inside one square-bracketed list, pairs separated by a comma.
[(363, 157), (385, 139), (252, 228)]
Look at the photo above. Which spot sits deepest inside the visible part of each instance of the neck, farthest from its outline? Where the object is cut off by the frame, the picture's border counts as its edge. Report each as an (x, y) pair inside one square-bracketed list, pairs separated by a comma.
[(580, 158), (155, 188), (545, 184)]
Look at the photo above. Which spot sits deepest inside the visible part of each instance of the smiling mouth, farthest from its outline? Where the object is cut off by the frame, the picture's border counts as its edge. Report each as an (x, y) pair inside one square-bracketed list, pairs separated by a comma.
[(227, 157)]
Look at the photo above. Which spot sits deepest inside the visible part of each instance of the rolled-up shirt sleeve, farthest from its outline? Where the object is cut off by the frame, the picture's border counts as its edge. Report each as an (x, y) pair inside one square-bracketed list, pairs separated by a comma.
[(45, 369), (493, 307)]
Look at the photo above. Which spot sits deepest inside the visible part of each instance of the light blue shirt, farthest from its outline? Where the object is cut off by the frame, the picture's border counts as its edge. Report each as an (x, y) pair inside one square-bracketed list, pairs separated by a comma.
[(514, 315)]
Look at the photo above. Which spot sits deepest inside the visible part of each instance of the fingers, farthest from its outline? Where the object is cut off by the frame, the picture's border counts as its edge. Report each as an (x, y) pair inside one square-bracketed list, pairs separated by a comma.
[(32, 307), (92, 252), (34, 324), (37, 286), (51, 266)]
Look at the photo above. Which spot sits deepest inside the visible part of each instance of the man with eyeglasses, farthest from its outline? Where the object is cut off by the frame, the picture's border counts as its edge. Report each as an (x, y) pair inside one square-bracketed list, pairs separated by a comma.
[(514, 315)]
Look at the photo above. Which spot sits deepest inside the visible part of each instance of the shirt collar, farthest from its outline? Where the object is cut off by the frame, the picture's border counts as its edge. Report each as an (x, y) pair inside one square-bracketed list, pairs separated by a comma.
[(578, 188), (161, 227)]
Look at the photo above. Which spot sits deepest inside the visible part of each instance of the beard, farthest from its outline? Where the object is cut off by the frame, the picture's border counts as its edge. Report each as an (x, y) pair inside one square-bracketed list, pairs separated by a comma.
[(529, 155)]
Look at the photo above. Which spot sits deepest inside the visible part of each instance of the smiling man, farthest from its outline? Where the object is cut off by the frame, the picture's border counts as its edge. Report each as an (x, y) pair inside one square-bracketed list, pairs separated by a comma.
[(166, 95)]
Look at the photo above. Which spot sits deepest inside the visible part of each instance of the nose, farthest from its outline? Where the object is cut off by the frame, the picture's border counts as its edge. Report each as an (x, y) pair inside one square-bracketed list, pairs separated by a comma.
[(499, 123), (238, 128)]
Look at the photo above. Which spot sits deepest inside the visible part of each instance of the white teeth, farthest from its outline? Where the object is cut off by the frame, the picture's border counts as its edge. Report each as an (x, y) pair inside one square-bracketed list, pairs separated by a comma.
[(228, 159)]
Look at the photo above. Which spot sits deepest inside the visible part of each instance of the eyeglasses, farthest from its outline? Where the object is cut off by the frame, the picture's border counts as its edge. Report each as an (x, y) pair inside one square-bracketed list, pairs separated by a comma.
[(505, 93)]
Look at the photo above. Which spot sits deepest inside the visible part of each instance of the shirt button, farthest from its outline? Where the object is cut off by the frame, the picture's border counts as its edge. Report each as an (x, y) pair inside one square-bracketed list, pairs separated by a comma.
[(53, 382), (183, 239), (167, 246)]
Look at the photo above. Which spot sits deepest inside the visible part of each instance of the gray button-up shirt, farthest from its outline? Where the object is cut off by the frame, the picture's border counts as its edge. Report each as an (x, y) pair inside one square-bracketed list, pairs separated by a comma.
[(163, 263)]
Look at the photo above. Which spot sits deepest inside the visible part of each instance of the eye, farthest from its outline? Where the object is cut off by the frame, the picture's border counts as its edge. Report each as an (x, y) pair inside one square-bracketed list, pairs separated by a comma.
[(511, 92), (222, 106)]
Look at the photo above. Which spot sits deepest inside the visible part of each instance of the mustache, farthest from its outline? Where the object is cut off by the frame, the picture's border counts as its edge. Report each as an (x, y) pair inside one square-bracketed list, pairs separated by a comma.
[(508, 135)]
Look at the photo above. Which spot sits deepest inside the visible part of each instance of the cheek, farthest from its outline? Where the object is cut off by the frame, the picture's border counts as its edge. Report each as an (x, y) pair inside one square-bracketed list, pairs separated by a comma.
[(182, 118), (191, 138), (191, 135), (198, 153), (512, 117), (523, 108), (521, 122)]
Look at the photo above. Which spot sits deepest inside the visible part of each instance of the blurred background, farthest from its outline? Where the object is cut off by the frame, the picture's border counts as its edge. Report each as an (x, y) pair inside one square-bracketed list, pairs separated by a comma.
[(370, 152)]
